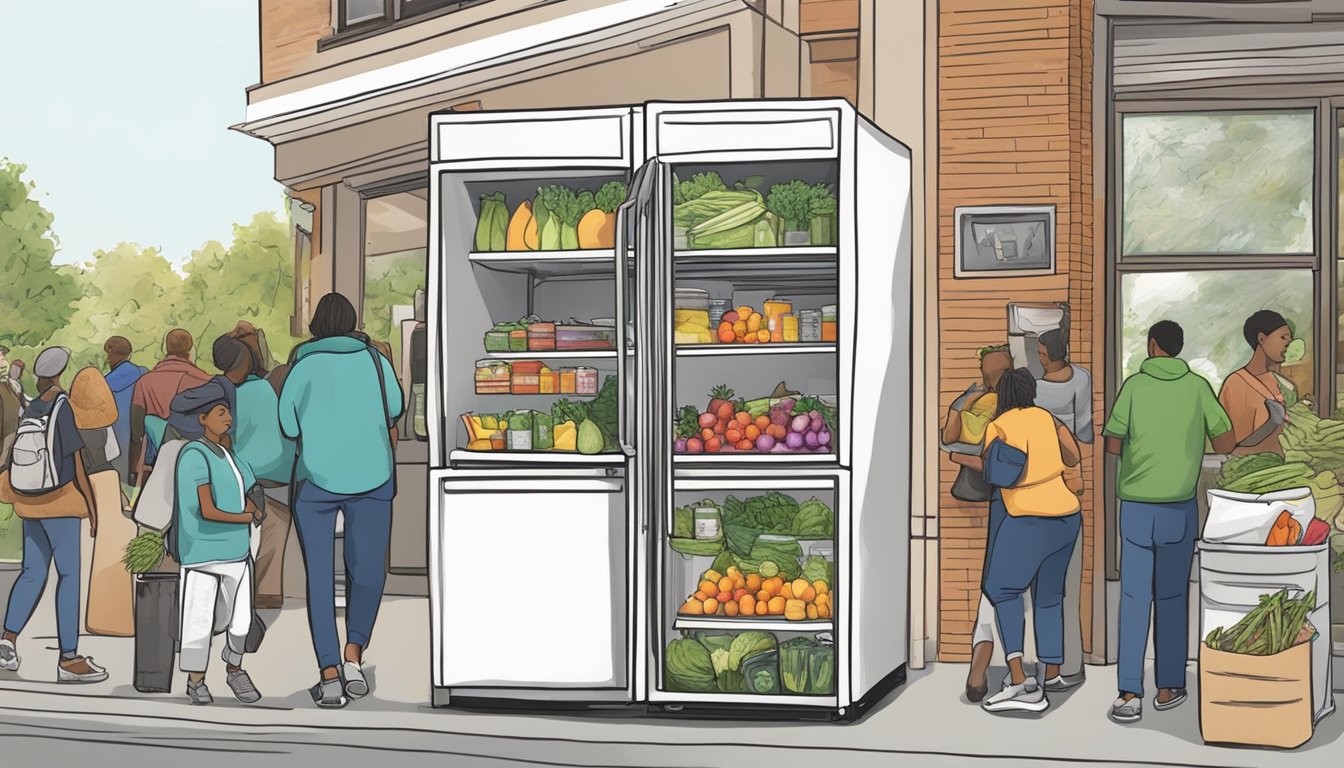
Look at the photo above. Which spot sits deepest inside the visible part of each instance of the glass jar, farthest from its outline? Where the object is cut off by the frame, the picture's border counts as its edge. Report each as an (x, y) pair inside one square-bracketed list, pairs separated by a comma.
[(548, 380), (692, 310), (568, 381), (809, 326), (829, 327), (774, 309), (790, 328), (585, 381)]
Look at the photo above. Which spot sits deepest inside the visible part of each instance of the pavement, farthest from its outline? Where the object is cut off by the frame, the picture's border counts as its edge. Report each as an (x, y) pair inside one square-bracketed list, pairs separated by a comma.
[(43, 723)]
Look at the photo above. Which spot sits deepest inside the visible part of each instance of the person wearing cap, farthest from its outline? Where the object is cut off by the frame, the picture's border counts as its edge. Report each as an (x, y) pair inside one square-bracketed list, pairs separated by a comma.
[(122, 375), (153, 394), (258, 442), (55, 537), (214, 519)]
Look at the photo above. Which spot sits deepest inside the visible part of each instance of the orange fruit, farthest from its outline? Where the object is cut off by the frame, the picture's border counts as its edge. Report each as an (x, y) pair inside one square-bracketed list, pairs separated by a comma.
[(709, 587), (743, 312), (745, 445), (787, 591), (754, 323), (731, 608), (821, 587), (726, 335), (762, 423), (762, 609), (808, 594), (725, 584), (747, 605), (812, 612), (743, 418), (701, 596), (763, 336), (740, 328), (711, 606), (733, 436), (753, 432), (754, 582), (776, 606), (764, 595), (692, 607)]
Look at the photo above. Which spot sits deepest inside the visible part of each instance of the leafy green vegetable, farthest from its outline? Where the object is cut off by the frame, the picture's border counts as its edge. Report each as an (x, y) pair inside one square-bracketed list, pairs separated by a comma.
[(699, 185), (683, 523), (785, 554), (689, 667), (749, 644), (814, 520), (688, 424), (732, 681), (715, 642), (810, 403), (603, 410), (610, 196), (566, 208), (568, 410), (791, 202), (697, 547), (724, 561), (719, 658), (793, 655), (818, 568), (520, 420), (144, 553), (823, 200)]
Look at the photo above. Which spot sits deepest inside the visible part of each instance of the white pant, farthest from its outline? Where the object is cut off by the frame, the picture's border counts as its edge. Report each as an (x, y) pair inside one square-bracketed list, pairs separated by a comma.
[(986, 629), (214, 598)]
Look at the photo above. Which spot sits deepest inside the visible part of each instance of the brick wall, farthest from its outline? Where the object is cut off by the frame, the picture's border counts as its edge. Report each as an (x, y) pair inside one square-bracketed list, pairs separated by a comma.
[(1014, 92), (290, 30)]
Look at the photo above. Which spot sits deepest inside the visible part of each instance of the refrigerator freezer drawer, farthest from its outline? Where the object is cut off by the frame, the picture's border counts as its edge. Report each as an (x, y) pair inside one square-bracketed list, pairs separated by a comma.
[(532, 581), (787, 132), (487, 139)]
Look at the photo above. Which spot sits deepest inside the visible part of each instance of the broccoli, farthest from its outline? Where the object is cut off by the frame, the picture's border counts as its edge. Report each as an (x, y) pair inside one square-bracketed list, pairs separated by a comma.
[(791, 202), (699, 185), (610, 196)]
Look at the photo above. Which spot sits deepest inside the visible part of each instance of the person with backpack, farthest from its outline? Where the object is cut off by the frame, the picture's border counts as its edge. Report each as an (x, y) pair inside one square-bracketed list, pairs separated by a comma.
[(122, 375), (258, 442), (340, 401), (210, 537), (51, 492)]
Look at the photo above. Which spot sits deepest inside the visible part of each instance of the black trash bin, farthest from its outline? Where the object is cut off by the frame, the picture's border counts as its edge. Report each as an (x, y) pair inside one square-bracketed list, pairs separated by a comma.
[(155, 631)]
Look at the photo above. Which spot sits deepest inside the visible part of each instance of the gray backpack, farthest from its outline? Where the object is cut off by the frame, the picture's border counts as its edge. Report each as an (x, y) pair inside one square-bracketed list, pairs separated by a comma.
[(32, 460)]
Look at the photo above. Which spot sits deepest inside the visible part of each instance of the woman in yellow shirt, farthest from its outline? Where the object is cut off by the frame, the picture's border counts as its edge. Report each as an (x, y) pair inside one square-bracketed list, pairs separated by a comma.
[(1033, 526)]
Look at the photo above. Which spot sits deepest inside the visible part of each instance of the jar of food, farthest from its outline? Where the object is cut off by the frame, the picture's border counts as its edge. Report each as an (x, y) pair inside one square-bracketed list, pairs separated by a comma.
[(518, 340), (809, 325), (829, 327), (541, 337), (707, 522), (692, 309), (774, 309), (549, 381), (568, 381), (526, 377), (790, 328), (717, 308), (585, 381), (492, 377)]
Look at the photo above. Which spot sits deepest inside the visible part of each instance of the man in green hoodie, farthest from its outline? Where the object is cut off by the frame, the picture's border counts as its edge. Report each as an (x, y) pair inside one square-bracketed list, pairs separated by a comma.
[(1158, 426), (340, 401)]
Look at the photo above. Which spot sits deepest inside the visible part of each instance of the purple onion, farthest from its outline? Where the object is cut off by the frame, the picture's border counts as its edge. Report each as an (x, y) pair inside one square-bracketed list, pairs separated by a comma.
[(816, 423), (824, 437), (681, 445), (799, 424), (779, 417), (787, 404), (779, 448), (764, 443), (794, 441), (812, 440)]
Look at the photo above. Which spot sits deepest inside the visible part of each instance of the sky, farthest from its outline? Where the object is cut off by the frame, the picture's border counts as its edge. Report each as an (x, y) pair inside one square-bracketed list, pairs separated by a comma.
[(121, 113)]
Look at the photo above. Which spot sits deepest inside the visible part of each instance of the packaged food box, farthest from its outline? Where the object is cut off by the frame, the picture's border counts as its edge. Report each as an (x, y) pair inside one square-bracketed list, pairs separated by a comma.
[(493, 377), (541, 337), (584, 337), (526, 377), (496, 341)]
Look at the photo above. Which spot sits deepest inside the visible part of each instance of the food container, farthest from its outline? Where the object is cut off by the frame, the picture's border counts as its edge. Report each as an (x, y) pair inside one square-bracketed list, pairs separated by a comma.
[(568, 381), (584, 337), (774, 309), (717, 309), (809, 325), (790, 327), (518, 341), (541, 337), (828, 323), (520, 430), (496, 341), (761, 673), (585, 381), (707, 522), (543, 432), (692, 308), (493, 377), (497, 441), (549, 380), (526, 377)]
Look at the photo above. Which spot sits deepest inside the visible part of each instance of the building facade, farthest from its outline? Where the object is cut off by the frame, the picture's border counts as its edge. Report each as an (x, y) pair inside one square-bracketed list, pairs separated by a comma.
[(1190, 152)]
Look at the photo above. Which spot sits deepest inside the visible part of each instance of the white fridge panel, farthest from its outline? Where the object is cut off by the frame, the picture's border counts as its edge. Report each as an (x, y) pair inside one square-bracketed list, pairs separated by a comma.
[(532, 582), (528, 139)]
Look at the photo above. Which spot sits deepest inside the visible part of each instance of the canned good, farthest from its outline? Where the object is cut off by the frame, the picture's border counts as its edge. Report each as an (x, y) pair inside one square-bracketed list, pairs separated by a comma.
[(585, 381), (809, 325), (829, 327), (568, 381), (549, 381), (790, 328)]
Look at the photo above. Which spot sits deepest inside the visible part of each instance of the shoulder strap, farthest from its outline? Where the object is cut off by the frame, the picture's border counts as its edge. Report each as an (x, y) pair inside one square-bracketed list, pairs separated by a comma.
[(382, 386), (1258, 385), (51, 433)]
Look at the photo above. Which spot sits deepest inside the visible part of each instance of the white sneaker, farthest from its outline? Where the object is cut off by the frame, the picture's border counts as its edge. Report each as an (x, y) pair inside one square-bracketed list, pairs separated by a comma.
[(356, 687), (1027, 697), (92, 673), (9, 656)]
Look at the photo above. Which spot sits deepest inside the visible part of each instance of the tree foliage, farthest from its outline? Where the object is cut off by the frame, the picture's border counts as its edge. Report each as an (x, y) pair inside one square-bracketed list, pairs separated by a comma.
[(35, 296)]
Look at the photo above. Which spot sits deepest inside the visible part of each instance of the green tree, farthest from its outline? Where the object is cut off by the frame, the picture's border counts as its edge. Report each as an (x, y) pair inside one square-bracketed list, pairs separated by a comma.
[(390, 281), (35, 297)]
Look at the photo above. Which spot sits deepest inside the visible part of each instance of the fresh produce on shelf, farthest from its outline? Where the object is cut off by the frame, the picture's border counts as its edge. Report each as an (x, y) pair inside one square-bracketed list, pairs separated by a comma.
[(733, 228), (604, 411), (792, 203), (522, 234), (743, 325), (565, 409), (683, 523), (566, 436), (824, 222), (1278, 623), (699, 185), (728, 657), (1270, 478), (493, 223), (807, 666), (597, 228), (563, 208), (761, 673), (813, 520), (689, 668), (784, 428), (590, 440), (759, 591)]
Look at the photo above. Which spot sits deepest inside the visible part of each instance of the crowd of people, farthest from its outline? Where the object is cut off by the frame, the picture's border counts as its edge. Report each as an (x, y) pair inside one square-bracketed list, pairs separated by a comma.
[(247, 451), (1016, 440)]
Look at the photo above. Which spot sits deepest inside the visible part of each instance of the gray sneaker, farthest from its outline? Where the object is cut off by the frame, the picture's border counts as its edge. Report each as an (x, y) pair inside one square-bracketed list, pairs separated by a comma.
[(1125, 712), (329, 694), (199, 694), (1027, 697), (243, 689), (356, 687), (9, 656), (1177, 699)]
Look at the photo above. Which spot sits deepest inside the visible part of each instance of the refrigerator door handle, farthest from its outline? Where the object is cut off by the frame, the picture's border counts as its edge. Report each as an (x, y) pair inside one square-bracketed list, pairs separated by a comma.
[(622, 273)]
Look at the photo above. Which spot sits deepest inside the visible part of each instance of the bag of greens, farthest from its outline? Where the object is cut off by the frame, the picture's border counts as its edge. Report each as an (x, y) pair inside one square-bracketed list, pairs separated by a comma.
[(493, 223)]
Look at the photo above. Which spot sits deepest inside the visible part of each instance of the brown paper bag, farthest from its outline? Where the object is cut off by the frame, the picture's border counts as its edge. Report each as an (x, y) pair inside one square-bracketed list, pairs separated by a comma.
[(1262, 701), (109, 610)]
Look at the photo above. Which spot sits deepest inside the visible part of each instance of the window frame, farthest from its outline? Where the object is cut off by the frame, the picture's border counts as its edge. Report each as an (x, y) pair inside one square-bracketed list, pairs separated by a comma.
[(1323, 261), (303, 250), (393, 16)]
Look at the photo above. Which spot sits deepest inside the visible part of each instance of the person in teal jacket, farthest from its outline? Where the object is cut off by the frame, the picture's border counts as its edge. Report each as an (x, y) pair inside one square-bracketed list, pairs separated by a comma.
[(340, 401)]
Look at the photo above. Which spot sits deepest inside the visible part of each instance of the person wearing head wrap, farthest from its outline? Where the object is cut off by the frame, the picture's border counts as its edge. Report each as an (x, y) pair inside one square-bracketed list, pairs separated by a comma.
[(47, 539), (109, 608), (258, 442), (214, 519)]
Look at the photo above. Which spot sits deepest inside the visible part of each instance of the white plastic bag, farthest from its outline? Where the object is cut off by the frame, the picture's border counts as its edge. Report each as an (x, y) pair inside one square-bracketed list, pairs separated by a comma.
[(1246, 518), (154, 505)]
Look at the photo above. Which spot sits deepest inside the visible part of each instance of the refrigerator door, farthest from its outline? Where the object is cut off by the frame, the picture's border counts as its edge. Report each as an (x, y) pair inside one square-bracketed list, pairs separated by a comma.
[(531, 592)]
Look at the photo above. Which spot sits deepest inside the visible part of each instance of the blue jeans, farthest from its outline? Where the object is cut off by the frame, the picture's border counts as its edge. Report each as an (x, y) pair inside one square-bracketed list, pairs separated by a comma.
[(1157, 546), (368, 529), (1031, 553), (43, 541)]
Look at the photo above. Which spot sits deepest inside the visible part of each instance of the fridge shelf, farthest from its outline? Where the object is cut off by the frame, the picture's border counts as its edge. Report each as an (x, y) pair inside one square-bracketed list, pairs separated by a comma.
[(600, 354), (755, 458), (544, 264), (717, 350), (764, 625), (536, 457)]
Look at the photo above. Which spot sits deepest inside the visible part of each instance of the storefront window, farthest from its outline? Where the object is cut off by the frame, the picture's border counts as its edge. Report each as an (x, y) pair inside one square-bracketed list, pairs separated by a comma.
[(396, 261), (1211, 307), (1218, 183)]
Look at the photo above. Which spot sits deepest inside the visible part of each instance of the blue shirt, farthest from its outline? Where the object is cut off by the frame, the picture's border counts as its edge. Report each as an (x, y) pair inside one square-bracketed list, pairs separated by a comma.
[(257, 440), (205, 541), (121, 380), (68, 441)]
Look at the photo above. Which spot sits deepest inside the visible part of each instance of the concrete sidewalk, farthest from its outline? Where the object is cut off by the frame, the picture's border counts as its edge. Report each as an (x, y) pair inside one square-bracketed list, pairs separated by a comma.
[(926, 717)]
